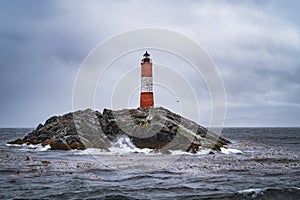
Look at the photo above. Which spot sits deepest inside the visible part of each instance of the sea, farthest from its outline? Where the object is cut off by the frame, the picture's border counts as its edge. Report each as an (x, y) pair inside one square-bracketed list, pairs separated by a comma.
[(261, 163)]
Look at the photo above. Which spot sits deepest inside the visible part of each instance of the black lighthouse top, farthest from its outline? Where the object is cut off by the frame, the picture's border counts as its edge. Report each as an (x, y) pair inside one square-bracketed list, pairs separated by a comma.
[(146, 57)]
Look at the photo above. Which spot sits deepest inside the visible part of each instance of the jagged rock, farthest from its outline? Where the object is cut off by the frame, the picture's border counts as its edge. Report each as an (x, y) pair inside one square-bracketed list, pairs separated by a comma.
[(155, 128)]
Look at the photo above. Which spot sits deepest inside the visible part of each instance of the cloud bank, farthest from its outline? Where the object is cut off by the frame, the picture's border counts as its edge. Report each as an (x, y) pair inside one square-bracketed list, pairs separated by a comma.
[(255, 44)]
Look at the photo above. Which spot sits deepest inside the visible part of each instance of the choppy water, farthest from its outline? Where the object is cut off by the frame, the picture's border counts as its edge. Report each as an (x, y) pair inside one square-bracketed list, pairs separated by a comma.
[(267, 168)]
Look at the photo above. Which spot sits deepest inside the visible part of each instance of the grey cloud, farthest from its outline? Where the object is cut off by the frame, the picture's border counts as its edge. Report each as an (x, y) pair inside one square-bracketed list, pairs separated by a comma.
[(256, 45)]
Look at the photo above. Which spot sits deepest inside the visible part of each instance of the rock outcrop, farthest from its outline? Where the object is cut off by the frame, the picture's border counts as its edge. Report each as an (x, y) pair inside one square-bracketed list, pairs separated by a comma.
[(155, 128)]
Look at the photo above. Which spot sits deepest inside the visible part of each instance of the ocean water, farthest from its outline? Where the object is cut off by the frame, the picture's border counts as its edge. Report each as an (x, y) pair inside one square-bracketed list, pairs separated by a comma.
[(261, 163)]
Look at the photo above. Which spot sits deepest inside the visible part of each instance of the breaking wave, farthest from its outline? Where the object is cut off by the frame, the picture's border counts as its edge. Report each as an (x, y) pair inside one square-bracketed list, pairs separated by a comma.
[(123, 145), (35, 147), (231, 151), (269, 193)]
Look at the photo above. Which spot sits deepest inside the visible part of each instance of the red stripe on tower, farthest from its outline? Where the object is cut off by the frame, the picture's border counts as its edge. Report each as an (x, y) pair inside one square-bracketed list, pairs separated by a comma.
[(146, 98)]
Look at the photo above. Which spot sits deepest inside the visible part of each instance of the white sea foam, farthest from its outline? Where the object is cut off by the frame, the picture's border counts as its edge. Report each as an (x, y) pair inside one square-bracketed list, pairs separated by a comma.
[(254, 192), (180, 152), (127, 150), (13, 145), (44, 148), (124, 142), (251, 190), (231, 151), (203, 151), (37, 147), (122, 145)]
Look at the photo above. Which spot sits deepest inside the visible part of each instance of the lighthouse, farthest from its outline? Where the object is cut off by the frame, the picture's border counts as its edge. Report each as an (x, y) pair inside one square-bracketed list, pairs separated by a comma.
[(146, 98)]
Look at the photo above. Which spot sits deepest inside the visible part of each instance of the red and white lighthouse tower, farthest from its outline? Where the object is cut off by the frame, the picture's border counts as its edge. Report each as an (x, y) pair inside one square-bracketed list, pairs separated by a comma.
[(146, 98)]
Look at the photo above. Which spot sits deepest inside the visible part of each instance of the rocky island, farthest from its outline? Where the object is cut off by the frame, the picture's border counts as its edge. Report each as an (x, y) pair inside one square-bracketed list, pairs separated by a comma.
[(155, 128)]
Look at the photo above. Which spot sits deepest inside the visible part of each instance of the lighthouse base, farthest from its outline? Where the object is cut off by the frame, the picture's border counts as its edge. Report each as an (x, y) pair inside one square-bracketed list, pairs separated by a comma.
[(146, 100)]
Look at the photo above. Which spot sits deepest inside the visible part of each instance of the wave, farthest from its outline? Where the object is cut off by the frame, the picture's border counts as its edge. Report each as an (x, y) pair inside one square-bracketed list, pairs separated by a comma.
[(181, 152), (270, 193), (253, 192), (126, 150), (36, 147), (231, 151), (123, 145)]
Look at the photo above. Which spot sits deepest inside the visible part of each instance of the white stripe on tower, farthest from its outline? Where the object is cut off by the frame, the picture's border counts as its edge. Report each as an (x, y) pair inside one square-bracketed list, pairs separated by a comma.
[(147, 85)]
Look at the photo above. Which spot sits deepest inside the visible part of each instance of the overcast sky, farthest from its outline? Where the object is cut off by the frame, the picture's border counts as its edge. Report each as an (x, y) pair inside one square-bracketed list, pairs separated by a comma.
[(255, 45)]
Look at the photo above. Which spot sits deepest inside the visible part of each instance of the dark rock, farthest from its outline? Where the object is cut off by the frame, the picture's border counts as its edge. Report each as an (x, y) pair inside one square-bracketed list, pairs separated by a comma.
[(51, 120), (39, 126), (155, 128), (77, 145), (27, 158), (59, 145), (46, 162), (17, 141)]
